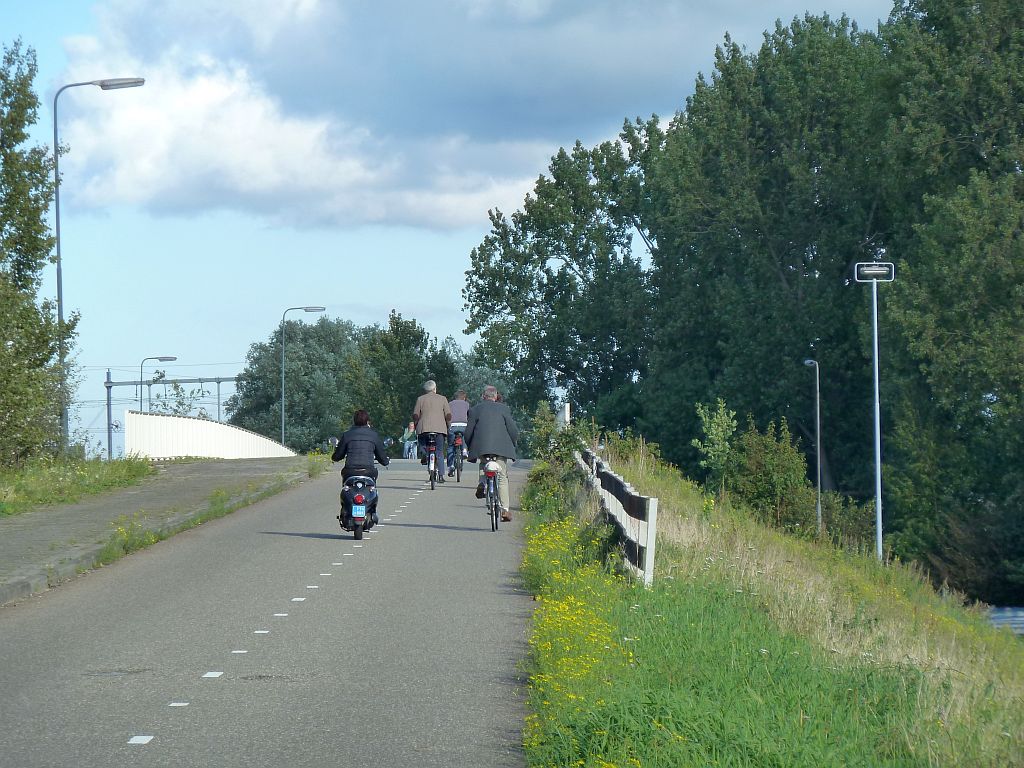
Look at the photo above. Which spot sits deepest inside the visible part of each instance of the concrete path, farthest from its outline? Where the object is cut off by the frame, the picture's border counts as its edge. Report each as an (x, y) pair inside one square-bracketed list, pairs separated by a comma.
[(41, 548)]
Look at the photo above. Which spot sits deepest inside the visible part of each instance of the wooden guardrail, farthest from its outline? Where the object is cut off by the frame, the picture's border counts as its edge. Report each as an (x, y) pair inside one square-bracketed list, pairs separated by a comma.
[(634, 515)]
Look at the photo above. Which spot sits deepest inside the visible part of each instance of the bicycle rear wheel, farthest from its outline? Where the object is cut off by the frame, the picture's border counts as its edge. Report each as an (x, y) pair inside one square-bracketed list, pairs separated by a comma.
[(458, 464), (494, 509)]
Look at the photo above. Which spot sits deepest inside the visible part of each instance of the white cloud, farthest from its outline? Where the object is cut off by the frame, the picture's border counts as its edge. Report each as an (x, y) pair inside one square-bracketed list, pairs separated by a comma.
[(344, 113)]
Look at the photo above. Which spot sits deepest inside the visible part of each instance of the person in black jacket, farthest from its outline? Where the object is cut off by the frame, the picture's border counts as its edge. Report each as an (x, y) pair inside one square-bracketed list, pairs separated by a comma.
[(360, 446)]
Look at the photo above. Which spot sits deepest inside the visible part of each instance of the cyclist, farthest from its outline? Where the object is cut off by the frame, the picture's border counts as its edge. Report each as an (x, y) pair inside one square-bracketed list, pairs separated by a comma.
[(432, 415), (359, 446), (491, 431), (460, 415)]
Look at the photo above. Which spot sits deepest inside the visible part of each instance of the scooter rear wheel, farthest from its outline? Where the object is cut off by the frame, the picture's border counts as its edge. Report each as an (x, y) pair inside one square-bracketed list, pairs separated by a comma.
[(357, 531)]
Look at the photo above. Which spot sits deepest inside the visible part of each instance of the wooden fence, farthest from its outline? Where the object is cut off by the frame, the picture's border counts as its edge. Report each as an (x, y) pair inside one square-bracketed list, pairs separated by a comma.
[(634, 515)]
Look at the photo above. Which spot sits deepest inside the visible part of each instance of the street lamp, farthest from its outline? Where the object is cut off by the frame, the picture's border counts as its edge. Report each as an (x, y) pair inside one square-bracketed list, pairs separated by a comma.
[(874, 272), (108, 84), (162, 359), (817, 433), (304, 309)]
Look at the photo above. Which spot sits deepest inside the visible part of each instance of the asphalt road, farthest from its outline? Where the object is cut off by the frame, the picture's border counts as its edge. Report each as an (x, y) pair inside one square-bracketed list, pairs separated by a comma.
[(271, 638)]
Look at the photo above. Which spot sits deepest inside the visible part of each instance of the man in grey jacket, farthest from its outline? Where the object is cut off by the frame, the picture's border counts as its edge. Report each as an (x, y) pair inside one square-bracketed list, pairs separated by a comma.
[(491, 431)]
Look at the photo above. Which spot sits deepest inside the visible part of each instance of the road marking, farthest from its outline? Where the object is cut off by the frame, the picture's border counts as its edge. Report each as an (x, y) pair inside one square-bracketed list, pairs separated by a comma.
[(280, 615), (337, 563), (298, 599), (178, 704), (262, 632), (357, 546), (140, 739), (326, 574), (312, 586), (348, 554), (213, 674), (239, 651)]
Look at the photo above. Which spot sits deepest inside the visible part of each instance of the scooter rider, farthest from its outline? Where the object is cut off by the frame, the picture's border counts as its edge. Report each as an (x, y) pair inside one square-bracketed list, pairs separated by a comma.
[(360, 446)]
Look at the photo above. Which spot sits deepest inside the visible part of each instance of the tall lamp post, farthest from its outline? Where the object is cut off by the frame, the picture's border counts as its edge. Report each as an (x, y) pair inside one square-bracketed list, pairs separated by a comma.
[(162, 359), (108, 84), (290, 309), (875, 272), (817, 434)]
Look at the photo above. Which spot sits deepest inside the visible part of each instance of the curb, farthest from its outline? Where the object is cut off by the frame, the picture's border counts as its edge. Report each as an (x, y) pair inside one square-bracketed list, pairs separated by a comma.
[(79, 561)]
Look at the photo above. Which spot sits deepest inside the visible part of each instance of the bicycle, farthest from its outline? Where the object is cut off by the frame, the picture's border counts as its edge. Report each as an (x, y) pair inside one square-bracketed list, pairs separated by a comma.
[(430, 446), (491, 467), (457, 456)]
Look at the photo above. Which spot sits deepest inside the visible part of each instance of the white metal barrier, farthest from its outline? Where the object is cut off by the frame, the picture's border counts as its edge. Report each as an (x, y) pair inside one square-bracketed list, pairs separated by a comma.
[(635, 516), (159, 436)]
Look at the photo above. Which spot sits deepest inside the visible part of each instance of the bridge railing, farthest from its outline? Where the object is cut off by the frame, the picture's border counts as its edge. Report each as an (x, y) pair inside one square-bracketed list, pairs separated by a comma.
[(635, 516), (162, 436)]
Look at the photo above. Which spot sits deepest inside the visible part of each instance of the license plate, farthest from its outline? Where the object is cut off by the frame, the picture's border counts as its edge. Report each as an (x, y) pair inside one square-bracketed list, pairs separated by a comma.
[(358, 510)]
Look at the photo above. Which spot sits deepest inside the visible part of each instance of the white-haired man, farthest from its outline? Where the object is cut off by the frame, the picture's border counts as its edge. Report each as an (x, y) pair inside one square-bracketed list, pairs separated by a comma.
[(432, 415), (491, 431)]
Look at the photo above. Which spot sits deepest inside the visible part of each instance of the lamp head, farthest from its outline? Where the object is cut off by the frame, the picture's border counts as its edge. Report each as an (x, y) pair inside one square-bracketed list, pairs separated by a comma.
[(166, 358), (313, 309), (810, 363), (113, 83)]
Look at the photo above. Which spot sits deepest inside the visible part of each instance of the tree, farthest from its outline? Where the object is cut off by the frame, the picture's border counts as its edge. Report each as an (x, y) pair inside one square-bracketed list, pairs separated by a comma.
[(29, 384), (557, 296), (29, 422), (318, 401), (764, 194)]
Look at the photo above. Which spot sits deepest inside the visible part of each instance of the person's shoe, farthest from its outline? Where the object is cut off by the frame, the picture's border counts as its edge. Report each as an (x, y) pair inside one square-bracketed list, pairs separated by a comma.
[(451, 472), (423, 460), (506, 516), (480, 493), (440, 479)]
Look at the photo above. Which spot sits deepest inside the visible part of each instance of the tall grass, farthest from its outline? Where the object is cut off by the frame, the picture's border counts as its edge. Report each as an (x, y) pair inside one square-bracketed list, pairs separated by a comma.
[(755, 648), (49, 480)]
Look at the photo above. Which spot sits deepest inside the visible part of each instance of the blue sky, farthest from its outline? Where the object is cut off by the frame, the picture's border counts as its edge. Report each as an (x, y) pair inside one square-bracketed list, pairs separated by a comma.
[(326, 152)]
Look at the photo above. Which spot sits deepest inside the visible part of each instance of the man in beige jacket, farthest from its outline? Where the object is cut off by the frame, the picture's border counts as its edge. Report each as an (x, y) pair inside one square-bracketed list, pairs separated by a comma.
[(433, 414)]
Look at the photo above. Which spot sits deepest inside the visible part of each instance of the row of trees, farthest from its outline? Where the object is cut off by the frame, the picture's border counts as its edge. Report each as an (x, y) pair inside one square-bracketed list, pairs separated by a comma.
[(334, 367), (827, 146), (29, 373)]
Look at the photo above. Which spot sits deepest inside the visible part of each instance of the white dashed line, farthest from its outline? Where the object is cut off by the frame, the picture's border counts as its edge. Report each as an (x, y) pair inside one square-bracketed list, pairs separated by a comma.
[(178, 704), (280, 615), (357, 546), (262, 632), (312, 586), (298, 599), (239, 651), (348, 554), (140, 739), (326, 574), (213, 674)]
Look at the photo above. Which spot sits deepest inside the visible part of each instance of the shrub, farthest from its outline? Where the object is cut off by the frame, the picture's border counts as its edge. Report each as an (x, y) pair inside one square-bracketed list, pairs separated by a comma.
[(769, 474)]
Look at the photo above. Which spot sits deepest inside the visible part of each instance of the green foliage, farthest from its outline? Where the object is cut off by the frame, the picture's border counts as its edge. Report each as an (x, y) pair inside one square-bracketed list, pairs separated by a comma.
[(716, 448), (770, 476), (29, 392), (556, 294), (54, 480)]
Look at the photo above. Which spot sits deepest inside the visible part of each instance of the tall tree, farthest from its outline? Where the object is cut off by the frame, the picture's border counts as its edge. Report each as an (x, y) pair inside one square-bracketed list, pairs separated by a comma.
[(557, 295), (29, 392), (318, 402), (763, 196)]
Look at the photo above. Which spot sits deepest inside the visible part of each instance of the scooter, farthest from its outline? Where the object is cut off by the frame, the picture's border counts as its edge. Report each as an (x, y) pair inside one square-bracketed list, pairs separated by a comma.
[(358, 505)]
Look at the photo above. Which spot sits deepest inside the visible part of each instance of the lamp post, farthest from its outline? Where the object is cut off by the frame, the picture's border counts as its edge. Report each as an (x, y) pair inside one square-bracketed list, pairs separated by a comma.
[(817, 434), (162, 359), (874, 272), (108, 84), (290, 309)]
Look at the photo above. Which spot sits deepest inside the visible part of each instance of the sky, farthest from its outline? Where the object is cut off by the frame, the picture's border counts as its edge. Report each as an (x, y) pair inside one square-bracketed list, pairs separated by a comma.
[(341, 153)]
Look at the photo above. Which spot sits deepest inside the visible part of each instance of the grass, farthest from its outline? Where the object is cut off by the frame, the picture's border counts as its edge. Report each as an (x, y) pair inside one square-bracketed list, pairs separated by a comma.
[(752, 649), (59, 480)]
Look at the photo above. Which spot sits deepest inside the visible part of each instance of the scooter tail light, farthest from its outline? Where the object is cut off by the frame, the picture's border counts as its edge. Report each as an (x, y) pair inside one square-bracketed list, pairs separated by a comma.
[(359, 498)]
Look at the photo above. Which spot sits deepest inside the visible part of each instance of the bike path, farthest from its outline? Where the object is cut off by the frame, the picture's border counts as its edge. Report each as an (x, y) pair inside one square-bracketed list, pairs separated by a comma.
[(270, 637), (47, 545)]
